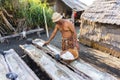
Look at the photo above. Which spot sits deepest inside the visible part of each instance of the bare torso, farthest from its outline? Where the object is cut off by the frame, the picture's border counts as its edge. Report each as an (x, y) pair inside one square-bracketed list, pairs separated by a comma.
[(65, 29)]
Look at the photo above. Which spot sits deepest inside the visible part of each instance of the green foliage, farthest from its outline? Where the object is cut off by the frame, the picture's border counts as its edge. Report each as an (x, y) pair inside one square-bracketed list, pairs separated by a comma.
[(7, 4), (33, 12)]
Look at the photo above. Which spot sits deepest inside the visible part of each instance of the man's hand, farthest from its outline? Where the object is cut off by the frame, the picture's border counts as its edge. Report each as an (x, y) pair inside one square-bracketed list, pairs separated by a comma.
[(46, 43)]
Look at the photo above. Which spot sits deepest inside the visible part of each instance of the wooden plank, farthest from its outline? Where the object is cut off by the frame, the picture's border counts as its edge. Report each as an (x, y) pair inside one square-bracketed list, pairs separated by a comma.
[(55, 70), (19, 67), (85, 42), (109, 60), (114, 51), (3, 68), (79, 64), (103, 58)]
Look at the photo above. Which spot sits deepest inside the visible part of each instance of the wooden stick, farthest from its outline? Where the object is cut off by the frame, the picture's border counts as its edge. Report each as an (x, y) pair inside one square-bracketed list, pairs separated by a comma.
[(45, 23)]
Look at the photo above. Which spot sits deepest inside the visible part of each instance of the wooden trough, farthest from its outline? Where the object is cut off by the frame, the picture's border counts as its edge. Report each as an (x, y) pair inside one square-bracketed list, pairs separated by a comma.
[(79, 66), (54, 69), (16, 65)]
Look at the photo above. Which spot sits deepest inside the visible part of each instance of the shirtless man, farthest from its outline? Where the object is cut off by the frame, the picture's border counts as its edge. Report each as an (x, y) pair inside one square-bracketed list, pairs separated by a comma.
[(69, 36)]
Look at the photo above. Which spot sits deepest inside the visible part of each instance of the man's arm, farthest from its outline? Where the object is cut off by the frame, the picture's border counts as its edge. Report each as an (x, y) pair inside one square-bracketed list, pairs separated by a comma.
[(52, 35)]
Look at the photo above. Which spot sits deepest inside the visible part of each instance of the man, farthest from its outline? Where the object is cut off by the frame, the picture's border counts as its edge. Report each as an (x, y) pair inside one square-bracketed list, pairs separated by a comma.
[(69, 37), (74, 15)]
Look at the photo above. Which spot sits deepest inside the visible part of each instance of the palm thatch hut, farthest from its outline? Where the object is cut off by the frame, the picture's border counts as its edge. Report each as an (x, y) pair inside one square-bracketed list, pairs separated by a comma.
[(100, 26)]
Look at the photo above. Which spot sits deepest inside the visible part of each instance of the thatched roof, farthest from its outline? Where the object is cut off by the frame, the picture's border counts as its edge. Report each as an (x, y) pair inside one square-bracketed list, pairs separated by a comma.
[(75, 4), (103, 11)]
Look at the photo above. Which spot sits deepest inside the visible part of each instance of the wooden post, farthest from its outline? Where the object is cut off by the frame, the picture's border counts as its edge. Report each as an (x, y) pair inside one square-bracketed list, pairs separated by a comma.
[(46, 27)]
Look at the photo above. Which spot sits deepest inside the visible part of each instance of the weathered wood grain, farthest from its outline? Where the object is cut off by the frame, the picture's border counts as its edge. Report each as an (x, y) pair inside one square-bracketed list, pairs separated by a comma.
[(78, 64), (55, 70), (101, 60), (19, 67), (3, 68)]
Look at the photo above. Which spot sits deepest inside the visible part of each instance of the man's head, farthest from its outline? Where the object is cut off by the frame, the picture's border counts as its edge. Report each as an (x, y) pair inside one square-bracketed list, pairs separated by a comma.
[(56, 17)]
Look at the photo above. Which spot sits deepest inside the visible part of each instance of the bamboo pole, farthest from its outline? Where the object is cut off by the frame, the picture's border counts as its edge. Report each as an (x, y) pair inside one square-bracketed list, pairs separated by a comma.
[(46, 27)]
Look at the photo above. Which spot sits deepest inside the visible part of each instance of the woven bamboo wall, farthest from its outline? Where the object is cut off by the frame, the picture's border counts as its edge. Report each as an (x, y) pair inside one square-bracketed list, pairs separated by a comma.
[(104, 37)]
